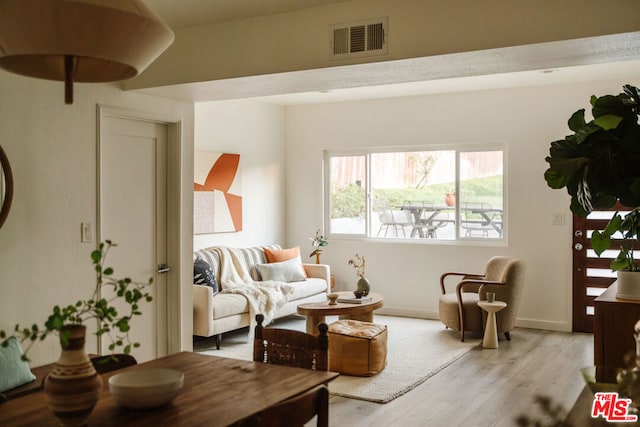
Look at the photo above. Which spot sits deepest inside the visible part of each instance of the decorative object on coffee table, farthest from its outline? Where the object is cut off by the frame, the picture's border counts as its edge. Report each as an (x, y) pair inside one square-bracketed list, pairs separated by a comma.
[(359, 293), (318, 241), (356, 297), (333, 298), (359, 264), (73, 387)]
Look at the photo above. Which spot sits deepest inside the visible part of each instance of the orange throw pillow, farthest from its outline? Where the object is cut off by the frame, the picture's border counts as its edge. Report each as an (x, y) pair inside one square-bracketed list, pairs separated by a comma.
[(279, 255)]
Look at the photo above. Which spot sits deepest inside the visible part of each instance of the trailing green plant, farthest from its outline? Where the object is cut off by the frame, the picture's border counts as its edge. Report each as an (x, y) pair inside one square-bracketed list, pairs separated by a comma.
[(598, 165), (110, 322)]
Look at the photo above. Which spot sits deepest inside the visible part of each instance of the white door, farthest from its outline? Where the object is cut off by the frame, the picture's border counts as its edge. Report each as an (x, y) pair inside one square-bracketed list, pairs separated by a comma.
[(133, 214)]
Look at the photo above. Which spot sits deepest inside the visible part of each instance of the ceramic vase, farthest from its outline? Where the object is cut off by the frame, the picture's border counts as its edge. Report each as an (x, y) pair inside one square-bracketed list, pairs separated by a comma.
[(363, 285), (73, 387), (628, 285)]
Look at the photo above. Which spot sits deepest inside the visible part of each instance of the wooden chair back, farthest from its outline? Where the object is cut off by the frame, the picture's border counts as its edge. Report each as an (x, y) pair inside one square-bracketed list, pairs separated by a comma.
[(294, 412), (291, 348)]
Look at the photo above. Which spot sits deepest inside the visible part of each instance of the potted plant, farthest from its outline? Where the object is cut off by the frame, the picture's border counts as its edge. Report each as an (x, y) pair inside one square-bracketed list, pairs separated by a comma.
[(73, 387), (599, 166), (318, 241)]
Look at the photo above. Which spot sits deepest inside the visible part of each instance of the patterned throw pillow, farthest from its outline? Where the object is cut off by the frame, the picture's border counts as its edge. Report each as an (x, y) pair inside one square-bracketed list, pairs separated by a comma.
[(203, 274)]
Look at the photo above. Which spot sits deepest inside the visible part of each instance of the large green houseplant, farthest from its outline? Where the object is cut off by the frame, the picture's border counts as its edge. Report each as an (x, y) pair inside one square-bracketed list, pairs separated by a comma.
[(599, 165)]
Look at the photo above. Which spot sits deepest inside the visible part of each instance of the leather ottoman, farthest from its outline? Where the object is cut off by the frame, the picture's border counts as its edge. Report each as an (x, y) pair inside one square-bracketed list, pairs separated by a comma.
[(357, 348)]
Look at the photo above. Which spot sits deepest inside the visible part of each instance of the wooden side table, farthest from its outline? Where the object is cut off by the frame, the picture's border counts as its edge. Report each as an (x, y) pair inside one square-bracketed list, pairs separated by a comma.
[(490, 339)]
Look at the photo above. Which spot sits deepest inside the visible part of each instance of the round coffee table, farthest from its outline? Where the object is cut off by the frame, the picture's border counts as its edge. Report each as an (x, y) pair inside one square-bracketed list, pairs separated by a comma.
[(317, 311)]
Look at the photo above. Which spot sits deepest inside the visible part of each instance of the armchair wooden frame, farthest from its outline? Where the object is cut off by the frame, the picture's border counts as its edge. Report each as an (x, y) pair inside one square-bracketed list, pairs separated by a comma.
[(291, 348), (468, 280)]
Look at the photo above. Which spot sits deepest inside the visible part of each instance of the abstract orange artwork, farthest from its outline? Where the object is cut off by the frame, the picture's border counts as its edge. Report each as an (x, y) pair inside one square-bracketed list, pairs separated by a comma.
[(217, 199)]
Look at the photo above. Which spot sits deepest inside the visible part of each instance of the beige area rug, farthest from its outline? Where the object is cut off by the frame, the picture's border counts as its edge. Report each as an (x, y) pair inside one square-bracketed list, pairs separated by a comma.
[(417, 350)]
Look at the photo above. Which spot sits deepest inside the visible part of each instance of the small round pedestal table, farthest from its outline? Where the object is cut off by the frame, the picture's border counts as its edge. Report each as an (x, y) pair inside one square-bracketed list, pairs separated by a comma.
[(490, 339)]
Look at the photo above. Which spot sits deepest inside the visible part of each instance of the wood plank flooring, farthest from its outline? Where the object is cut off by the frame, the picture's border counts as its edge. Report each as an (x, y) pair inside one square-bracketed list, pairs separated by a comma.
[(484, 387)]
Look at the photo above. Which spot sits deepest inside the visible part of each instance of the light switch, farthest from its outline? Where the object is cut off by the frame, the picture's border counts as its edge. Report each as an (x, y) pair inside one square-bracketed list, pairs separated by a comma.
[(86, 232), (557, 219)]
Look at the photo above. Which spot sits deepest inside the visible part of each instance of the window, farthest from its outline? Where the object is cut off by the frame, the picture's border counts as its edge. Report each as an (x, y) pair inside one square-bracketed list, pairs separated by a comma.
[(446, 194)]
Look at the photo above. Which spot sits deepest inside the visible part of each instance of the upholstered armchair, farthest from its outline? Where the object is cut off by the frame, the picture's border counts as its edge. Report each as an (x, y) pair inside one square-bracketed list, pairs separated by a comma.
[(458, 308)]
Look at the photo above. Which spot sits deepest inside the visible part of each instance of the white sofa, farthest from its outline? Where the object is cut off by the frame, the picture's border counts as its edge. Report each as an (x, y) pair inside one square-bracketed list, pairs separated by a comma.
[(223, 312)]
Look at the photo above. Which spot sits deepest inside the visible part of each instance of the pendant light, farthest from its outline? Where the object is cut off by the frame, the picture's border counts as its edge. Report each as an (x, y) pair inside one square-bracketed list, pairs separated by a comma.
[(79, 40)]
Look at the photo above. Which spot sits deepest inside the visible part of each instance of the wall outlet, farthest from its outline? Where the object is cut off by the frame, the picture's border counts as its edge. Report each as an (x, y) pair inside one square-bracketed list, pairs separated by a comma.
[(86, 232)]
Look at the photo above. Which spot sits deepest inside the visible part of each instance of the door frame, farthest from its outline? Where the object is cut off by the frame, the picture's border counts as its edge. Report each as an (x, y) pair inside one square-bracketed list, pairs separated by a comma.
[(174, 197)]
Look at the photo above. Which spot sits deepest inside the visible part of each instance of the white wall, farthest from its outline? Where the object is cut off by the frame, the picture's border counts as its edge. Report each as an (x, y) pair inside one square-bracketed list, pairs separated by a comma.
[(526, 120), (256, 132), (52, 150)]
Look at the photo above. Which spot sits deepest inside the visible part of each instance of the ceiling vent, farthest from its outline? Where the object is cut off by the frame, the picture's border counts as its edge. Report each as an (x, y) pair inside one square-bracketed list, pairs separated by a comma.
[(359, 38)]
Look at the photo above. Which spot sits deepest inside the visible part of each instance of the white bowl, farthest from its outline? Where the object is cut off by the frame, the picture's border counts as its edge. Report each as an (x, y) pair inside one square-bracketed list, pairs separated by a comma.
[(145, 388)]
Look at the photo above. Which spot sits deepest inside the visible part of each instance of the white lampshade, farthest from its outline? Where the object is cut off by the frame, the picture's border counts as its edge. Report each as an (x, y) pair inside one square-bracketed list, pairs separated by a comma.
[(79, 40)]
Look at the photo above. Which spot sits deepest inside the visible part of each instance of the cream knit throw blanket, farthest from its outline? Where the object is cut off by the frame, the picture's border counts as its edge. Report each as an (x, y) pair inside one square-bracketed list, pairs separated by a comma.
[(263, 297)]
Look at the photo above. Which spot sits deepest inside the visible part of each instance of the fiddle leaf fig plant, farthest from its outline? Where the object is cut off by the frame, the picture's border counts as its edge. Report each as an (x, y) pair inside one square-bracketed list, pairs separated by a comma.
[(111, 323), (628, 228), (599, 166)]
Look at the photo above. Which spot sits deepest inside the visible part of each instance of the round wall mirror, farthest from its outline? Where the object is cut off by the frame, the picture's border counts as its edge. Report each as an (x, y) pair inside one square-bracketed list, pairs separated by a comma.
[(6, 187)]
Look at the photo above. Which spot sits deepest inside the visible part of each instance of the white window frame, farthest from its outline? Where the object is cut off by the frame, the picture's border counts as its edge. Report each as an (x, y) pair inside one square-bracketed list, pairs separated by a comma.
[(368, 233)]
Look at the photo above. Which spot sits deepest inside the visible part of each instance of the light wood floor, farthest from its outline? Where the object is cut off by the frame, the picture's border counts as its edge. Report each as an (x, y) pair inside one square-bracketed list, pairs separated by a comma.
[(484, 387)]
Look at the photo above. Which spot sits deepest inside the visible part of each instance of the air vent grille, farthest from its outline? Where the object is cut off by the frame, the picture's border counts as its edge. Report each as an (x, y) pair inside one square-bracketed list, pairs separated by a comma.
[(359, 38), (340, 41)]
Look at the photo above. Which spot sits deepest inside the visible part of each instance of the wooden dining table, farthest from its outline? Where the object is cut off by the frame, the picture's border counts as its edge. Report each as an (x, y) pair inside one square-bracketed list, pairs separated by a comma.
[(217, 391)]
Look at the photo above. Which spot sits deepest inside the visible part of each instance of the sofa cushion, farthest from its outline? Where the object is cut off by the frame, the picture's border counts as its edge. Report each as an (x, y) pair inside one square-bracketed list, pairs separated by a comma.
[(307, 288), (213, 259), (285, 271), (253, 256), (203, 274), (14, 371), (248, 256), (279, 255), (225, 305)]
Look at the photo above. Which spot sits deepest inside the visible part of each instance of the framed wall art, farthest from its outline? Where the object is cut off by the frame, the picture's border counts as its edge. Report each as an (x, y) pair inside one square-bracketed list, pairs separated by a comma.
[(217, 195)]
